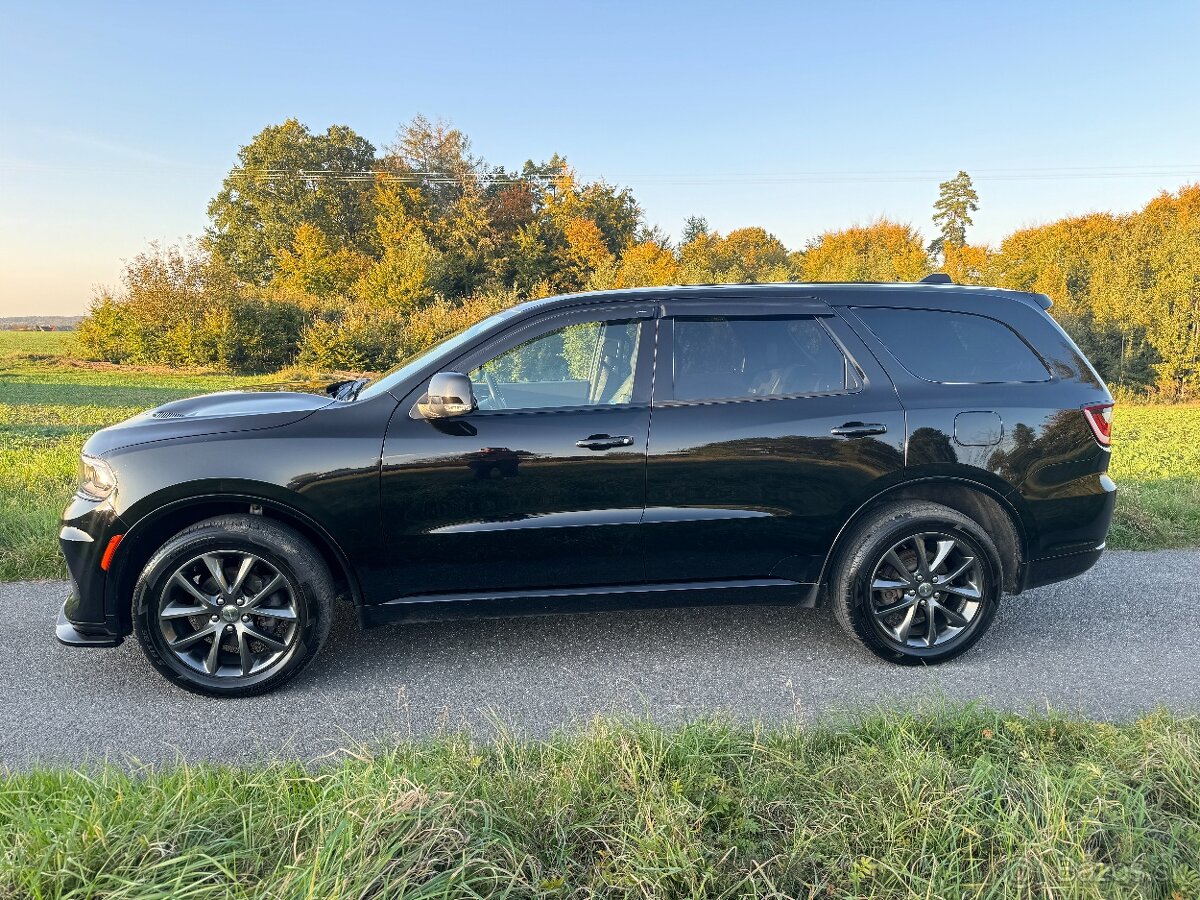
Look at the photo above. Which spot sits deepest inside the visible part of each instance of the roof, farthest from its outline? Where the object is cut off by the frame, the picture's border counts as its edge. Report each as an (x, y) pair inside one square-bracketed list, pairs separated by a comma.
[(845, 291)]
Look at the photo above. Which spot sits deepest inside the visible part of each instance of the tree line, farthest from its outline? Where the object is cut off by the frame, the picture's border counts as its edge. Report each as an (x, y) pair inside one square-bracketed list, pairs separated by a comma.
[(326, 253)]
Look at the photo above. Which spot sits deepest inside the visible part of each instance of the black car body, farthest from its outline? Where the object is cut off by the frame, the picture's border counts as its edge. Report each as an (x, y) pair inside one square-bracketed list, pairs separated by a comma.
[(691, 444)]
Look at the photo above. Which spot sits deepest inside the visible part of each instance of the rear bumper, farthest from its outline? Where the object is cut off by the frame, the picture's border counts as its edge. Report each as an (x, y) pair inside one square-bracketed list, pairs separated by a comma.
[(1059, 568), (1074, 525)]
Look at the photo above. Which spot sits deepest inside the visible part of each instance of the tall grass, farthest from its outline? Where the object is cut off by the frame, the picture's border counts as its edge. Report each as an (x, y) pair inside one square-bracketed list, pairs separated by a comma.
[(962, 803)]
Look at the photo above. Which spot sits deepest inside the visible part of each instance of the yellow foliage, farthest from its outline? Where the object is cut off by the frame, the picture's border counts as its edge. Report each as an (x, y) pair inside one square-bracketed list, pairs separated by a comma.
[(585, 243), (881, 251), (312, 267), (744, 255), (966, 264), (647, 264)]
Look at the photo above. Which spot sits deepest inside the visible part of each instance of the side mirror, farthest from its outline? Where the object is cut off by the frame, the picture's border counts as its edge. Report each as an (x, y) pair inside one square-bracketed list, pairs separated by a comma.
[(449, 395)]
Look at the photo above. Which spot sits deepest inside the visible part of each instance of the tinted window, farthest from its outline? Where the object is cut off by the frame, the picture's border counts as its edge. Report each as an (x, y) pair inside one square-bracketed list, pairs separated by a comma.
[(954, 347), (729, 358), (589, 364)]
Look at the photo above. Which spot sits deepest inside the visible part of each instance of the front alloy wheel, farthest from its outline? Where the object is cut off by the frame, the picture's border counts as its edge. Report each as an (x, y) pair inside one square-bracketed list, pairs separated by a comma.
[(233, 606), (229, 614)]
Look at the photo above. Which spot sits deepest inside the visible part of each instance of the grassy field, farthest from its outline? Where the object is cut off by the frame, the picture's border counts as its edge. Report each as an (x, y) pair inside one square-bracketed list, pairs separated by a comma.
[(958, 803), (49, 404)]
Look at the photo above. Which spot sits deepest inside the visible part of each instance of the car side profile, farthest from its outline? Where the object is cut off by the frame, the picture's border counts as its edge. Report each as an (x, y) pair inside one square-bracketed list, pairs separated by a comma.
[(903, 453)]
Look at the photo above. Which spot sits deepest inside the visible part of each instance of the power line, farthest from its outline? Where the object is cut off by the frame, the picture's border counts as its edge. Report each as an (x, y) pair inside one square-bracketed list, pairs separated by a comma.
[(847, 177), (826, 177)]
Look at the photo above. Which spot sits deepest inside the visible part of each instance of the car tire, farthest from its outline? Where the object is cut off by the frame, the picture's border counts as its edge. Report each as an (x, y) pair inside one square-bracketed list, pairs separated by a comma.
[(921, 616), (233, 606)]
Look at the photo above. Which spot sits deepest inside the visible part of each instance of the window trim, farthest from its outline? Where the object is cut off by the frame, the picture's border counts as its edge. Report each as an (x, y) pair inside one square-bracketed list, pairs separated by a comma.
[(538, 326), (666, 353), (1050, 376)]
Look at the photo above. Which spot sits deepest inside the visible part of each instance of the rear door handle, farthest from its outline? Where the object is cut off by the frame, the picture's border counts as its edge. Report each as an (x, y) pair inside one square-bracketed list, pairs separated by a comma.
[(858, 429), (604, 441)]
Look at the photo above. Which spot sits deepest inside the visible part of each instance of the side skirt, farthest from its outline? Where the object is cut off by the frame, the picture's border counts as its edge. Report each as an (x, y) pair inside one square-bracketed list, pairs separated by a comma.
[(556, 601)]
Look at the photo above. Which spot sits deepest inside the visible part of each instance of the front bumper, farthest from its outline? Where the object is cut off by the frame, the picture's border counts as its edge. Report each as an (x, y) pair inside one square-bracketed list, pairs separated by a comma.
[(87, 527), (67, 633)]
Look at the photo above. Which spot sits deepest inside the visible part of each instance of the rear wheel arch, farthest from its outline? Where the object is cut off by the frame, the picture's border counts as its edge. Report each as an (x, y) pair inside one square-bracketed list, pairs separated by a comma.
[(153, 530), (1003, 522)]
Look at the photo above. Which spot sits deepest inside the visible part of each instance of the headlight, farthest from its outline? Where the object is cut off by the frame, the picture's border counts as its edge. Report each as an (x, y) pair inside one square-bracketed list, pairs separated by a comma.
[(96, 479)]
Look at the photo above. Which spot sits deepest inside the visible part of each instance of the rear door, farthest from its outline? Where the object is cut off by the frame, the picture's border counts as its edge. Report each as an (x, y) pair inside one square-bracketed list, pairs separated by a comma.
[(770, 422)]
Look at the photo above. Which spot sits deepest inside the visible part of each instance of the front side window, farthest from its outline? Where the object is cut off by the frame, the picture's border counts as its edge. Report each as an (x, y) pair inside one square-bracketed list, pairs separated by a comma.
[(588, 364), (724, 358), (952, 347)]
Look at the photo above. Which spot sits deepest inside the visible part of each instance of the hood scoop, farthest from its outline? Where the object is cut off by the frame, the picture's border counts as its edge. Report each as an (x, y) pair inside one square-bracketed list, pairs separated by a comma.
[(210, 414)]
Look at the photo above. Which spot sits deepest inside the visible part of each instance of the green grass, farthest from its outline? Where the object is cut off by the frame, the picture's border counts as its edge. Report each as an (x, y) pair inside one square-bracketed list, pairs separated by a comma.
[(1156, 464), (960, 803), (50, 403), (15, 344)]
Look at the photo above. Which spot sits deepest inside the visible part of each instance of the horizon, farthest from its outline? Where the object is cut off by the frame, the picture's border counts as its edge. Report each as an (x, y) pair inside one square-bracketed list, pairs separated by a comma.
[(116, 128)]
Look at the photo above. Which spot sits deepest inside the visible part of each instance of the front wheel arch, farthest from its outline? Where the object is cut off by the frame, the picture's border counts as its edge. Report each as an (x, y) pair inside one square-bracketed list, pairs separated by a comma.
[(154, 529)]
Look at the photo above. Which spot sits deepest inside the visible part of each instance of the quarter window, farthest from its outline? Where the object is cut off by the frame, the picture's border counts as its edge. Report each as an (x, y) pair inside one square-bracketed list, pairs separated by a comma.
[(588, 364), (727, 358), (953, 347)]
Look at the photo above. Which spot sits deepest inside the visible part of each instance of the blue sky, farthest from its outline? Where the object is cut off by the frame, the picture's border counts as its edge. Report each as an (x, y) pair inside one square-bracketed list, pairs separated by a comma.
[(118, 121)]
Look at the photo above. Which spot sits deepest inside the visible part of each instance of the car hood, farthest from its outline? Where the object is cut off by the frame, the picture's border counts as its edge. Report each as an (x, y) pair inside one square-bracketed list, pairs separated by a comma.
[(218, 413)]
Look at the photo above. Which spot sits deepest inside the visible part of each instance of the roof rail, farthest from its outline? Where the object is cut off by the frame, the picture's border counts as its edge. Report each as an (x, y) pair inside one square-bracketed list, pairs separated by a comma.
[(936, 278)]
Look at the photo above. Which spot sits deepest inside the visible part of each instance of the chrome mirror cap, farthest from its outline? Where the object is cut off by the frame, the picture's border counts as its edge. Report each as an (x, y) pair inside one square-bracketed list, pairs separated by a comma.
[(449, 395)]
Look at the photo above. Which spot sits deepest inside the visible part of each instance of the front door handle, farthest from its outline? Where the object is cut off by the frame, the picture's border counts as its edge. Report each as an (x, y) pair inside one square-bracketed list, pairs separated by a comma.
[(604, 441), (858, 429)]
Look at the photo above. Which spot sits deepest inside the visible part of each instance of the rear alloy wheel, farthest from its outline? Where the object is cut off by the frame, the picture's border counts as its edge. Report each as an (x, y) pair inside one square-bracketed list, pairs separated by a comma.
[(233, 606), (917, 583), (926, 590)]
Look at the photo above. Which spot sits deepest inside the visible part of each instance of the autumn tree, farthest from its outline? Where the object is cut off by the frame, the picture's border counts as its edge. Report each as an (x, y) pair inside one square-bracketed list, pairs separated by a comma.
[(312, 271), (1061, 260), (881, 251), (287, 177), (446, 188), (1151, 278), (743, 255)]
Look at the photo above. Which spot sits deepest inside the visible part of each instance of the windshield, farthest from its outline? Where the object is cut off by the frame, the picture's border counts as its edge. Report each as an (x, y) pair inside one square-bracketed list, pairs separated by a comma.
[(410, 366)]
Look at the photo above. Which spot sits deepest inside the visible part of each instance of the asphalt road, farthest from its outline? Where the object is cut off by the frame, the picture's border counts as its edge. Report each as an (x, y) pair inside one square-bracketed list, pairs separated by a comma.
[(1121, 640)]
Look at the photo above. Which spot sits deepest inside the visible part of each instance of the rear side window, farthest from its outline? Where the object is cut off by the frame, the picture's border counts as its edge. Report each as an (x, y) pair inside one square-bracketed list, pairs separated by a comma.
[(953, 347), (722, 358)]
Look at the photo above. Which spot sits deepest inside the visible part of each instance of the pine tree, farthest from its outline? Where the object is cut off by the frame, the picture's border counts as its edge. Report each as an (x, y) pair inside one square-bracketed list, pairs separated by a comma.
[(952, 211)]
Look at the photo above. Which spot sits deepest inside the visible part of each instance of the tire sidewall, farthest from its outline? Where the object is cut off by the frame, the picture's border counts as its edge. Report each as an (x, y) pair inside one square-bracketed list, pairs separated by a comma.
[(869, 555), (291, 560)]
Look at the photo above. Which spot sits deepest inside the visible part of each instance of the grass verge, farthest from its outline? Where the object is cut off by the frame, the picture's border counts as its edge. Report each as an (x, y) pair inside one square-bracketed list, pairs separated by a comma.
[(964, 802)]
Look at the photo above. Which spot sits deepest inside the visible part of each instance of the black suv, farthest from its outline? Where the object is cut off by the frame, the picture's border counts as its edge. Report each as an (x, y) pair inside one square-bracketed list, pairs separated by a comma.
[(904, 452)]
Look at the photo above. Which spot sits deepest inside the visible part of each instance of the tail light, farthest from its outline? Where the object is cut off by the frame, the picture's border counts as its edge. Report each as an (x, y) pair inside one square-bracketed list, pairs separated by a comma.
[(1099, 416)]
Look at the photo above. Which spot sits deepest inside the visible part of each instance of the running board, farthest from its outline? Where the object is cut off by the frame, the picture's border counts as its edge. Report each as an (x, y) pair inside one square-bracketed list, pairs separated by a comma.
[(553, 601)]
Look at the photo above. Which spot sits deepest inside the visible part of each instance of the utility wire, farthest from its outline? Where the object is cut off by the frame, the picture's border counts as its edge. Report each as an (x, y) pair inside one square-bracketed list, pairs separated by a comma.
[(867, 176)]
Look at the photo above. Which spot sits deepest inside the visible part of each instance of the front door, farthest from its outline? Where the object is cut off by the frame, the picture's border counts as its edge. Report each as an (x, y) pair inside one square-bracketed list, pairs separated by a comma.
[(769, 425), (545, 483)]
